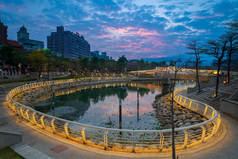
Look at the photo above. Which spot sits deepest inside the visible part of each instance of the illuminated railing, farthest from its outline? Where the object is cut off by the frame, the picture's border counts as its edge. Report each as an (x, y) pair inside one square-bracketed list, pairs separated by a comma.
[(118, 139)]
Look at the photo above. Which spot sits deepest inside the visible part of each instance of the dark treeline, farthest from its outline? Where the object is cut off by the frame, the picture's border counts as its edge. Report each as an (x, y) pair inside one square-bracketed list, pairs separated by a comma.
[(44, 60)]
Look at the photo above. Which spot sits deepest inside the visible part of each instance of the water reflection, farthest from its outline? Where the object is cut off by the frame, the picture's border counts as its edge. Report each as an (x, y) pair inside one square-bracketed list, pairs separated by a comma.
[(127, 106)]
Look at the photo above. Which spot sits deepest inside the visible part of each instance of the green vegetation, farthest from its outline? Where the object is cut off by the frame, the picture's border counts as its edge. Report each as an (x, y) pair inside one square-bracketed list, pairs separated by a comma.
[(8, 153), (44, 60)]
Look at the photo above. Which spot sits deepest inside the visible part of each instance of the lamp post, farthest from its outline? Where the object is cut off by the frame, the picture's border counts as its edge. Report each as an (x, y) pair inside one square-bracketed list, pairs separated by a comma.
[(138, 105)]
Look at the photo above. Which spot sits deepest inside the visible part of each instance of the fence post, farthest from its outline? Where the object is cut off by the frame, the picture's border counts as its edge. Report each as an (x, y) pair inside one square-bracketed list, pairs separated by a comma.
[(214, 128), (21, 110), (213, 112), (185, 138), (83, 135), (161, 141), (133, 141), (27, 115), (105, 140), (42, 121), (219, 122), (203, 133), (184, 102), (205, 111), (53, 125), (14, 107), (34, 118), (66, 129), (190, 103)]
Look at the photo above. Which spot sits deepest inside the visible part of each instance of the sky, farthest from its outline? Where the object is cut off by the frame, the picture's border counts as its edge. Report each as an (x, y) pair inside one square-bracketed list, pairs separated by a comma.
[(134, 28)]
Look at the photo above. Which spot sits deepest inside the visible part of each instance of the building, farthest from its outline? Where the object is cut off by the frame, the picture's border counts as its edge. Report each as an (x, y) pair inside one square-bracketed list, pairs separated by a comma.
[(68, 44), (3, 33), (14, 44), (103, 55), (5, 41), (23, 38), (95, 54)]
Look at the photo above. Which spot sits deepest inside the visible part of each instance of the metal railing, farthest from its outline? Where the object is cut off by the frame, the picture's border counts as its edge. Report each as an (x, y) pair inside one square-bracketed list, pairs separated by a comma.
[(118, 139)]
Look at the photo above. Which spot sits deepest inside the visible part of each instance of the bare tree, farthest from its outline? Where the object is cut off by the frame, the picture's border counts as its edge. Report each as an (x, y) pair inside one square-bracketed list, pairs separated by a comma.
[(232, 37), (217, 49), (193, 45), (172, 90)]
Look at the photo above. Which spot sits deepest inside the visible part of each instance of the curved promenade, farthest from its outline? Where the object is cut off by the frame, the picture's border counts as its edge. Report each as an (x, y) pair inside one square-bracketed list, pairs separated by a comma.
[(118, 139)]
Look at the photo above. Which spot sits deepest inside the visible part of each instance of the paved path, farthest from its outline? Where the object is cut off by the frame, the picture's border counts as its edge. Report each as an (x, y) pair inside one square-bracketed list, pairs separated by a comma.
[(59, 148), (29, 152)]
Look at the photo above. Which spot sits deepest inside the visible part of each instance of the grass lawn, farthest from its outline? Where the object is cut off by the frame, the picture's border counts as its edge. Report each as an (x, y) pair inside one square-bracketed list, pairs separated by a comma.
[(8, 153)]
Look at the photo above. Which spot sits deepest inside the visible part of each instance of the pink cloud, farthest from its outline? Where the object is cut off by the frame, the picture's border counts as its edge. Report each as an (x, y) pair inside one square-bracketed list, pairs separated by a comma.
[(133, 40), (107, 36), (135, 45), (2, 6), (130, 31), (156, 42)]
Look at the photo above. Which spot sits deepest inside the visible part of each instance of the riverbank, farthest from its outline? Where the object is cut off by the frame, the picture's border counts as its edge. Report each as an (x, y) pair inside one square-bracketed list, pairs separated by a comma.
[(218, 148), (159, 118), (182, 116)]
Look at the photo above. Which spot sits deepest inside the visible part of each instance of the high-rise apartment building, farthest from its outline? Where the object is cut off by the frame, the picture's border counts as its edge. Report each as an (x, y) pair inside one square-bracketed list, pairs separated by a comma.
[(3, 33), (26, 42), (68, 44)]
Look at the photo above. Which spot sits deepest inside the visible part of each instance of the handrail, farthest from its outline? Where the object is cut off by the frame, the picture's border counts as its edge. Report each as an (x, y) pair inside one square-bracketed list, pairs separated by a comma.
[(76, 131)]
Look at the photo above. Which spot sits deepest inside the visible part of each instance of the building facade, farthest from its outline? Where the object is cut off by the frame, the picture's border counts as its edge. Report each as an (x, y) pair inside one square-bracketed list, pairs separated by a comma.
[(68, 44), (23, 38), (4, 41), (3, 33), (103, 55)]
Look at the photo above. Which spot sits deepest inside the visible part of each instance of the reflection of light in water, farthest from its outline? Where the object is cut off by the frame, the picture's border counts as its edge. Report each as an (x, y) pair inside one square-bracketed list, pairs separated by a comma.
[(107, 110)]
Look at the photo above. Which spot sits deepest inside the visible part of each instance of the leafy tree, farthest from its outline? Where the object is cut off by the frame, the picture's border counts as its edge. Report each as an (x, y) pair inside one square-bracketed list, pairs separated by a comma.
[(122, 63), (38, 60), (101, 65), (7, 55), (84, 64), (51, 62), (94, 64), (21, 60), (111, 65), (162, 64)]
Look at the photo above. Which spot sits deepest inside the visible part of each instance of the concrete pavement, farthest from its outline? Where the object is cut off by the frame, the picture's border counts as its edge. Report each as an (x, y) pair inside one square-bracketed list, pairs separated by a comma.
[(224, 146)]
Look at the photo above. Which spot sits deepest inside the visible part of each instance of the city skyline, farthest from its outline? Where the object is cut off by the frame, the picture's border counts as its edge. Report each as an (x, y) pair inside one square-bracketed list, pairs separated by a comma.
[(137, 29)]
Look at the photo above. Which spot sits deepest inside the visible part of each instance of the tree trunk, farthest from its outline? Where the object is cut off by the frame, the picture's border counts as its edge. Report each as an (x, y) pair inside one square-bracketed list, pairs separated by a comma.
[(197, 77), (120, 114), (229, 63), (172, 117), (48, 72), (228, 67), (39, 72), (138, 105), (218, 77)]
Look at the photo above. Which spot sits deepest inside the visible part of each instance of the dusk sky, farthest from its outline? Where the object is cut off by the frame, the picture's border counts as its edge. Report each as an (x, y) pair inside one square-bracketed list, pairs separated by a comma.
[(135, 28)]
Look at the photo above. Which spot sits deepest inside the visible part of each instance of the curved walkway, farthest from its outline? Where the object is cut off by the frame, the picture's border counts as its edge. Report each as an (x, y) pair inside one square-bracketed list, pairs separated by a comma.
[(224, 146)]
